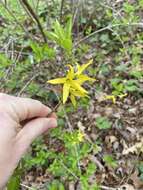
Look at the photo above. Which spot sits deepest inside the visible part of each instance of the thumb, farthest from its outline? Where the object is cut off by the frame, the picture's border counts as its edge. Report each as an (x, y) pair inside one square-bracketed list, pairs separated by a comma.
[(31, 130)]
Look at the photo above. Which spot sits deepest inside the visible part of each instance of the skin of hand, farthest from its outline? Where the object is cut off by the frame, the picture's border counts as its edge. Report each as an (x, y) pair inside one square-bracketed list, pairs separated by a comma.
[(14, 142)]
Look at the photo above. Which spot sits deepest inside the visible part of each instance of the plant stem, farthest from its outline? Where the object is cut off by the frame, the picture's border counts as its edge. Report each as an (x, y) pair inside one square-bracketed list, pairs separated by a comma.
[(34, 16), (61, 10), (54, 109)]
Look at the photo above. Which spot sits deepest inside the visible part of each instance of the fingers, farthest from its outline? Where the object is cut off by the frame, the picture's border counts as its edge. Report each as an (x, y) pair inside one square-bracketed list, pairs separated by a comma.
[(30, 131), (28, 108), (23, 108)]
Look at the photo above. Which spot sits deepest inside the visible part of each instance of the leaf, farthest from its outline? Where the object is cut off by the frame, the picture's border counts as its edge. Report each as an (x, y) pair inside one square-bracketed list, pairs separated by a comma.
[(15, 180), (52, 36), (67, 44), (68, 28), (108, 159), (14, 183), (62, 36), (4, 61), (131, 88), (59, 30), (91, 169), (121, 68), (136, 74), (103, 123), (138, 147)]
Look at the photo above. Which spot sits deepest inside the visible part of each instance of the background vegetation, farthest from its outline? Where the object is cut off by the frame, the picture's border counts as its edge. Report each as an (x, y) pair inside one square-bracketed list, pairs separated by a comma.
[(98, 144)]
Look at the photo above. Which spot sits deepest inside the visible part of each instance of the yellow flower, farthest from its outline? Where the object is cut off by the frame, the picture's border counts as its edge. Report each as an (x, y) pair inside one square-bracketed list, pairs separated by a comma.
[(72, 83), (81, 68), (122, 95), (111, 97), (80, 136)]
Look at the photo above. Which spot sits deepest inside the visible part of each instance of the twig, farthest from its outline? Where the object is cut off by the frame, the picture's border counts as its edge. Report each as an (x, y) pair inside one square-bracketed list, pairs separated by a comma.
[(107, 188), (54, 109), (37, 5), (26, 85), (10, 51), (106, 28), (5, 2), (71, 130), (35, 17), (76, 17), (26, 186), (61, 10)]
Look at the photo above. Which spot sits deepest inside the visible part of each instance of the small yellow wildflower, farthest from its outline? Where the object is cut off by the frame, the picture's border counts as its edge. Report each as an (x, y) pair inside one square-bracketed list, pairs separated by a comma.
[(80, 136), (122, 95), (111, 97), (72, 83)]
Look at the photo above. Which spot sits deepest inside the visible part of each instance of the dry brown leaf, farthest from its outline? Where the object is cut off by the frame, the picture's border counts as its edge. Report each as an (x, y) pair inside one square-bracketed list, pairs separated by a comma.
[(136, 180), (138, 147)]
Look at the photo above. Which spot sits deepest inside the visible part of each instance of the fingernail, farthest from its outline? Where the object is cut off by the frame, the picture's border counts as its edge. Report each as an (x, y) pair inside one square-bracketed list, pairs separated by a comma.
[(47, 110), (52, 123)]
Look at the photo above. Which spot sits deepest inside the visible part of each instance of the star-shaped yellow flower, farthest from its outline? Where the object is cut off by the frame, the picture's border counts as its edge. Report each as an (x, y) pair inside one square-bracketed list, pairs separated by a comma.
[(72, 82), (113, 97)]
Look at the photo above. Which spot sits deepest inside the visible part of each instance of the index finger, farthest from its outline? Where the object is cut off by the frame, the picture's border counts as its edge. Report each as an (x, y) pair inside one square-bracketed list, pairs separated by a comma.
[(23, 108)]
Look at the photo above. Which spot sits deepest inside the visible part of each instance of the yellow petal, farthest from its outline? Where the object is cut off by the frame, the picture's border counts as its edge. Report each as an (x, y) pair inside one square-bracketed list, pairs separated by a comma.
[(57, 81), (77, 86), (82, 78), (70, 74), (80, 136), (66, 89), (122, 95), (77, 93), (83, 67), (73, 100)]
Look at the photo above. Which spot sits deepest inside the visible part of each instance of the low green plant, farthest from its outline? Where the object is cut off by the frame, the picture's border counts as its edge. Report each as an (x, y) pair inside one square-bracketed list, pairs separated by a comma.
[(103, 123), (109, 161), (42, 52), (55, 185), (62, 36), (121, 86), (140, 168), (5, 63)]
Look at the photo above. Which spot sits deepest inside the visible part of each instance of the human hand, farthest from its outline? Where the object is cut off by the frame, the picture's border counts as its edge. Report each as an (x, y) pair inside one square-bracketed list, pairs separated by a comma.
[(14, 141)]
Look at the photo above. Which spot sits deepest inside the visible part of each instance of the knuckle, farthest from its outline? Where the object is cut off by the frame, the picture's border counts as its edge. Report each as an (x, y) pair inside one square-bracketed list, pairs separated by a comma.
[(40, 105), (37, 102), (2, 96)]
